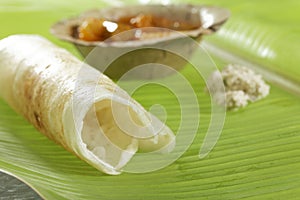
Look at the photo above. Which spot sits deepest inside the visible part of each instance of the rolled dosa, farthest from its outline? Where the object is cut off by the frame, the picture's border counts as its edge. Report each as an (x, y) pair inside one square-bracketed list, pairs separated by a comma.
[(75, 105)]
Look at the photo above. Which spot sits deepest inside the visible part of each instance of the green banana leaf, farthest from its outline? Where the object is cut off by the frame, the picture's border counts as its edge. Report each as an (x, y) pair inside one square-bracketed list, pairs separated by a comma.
[(256, 157)]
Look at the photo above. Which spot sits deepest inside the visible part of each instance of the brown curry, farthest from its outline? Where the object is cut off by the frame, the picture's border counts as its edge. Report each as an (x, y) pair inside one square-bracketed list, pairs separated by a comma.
[(99, 29)]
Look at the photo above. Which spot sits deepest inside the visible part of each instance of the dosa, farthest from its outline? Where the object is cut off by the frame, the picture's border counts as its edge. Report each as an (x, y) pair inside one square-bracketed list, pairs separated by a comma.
[(75, 105)]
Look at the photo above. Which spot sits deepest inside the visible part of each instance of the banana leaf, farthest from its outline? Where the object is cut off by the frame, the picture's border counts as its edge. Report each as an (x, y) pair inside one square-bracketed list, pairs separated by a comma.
[(256, 157)]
